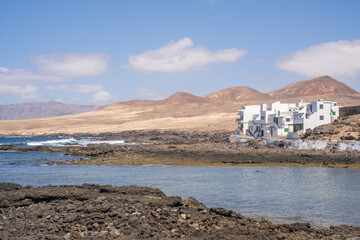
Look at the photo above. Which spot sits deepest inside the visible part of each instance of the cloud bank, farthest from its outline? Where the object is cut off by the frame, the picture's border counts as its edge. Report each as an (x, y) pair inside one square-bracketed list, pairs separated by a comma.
[(81, 88), (61, 67), (21, 75), (181, 56), (27, 91), (56, 68), (338, 59), (71, 65)]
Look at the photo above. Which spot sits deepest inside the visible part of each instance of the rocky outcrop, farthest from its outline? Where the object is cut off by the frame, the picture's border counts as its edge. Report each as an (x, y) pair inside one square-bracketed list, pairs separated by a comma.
[(131, 212), (347, 128)]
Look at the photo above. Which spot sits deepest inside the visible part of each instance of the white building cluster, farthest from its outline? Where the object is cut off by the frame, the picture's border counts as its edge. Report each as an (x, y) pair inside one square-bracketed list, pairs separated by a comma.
[(282, 119)]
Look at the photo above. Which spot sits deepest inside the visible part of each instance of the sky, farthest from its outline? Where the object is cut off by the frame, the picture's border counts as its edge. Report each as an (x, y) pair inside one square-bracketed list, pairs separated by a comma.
[(100, 52)]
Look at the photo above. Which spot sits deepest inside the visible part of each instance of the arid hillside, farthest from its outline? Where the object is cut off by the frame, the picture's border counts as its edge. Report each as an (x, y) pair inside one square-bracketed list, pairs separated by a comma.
[(237, 94), (323, 85), (214, 112)]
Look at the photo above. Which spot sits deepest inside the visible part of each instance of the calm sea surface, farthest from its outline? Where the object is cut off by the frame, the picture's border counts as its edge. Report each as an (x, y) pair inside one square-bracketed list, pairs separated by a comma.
[(324, 196)]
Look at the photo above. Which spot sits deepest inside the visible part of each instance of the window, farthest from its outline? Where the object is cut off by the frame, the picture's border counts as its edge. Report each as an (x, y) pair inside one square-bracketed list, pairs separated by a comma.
[(262, 117), (286, 130), (321, 106), (321, 117), (287, 119)]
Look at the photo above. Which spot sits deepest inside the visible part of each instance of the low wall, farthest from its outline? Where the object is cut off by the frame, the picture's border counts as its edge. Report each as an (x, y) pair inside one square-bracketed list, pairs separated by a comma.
[(304, 144), (348, 111)]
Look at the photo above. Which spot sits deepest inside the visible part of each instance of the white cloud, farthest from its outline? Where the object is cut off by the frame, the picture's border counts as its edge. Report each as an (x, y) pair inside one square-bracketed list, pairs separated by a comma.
[(180, 56), (21, 75), (338, 59), (81, 88), (71, 65), (57, 68), (27, 91), (149, 93), (4, 69), (102, 96)]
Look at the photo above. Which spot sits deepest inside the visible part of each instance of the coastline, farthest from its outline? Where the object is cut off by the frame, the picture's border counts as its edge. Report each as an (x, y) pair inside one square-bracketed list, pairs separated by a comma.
[(130, 212), (183, 148)]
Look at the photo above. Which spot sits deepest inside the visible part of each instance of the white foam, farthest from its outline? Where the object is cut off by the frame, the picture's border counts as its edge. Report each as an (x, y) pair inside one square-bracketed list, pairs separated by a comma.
[(81, 142), (57, 142)]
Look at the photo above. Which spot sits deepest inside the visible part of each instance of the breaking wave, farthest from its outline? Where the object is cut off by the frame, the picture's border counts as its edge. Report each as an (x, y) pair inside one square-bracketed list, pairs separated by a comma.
[(57, 142), (72, 141)]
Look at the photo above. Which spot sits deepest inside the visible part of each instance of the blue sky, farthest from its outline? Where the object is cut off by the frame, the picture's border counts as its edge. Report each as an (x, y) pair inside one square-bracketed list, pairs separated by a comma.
[(98, 52)]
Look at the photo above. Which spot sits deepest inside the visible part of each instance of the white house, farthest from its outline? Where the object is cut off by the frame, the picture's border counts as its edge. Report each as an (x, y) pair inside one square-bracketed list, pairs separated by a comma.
[(282, 119)]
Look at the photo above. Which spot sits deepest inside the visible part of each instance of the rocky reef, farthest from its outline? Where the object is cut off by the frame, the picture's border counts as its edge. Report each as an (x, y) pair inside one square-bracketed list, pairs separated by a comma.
[(132, 212)]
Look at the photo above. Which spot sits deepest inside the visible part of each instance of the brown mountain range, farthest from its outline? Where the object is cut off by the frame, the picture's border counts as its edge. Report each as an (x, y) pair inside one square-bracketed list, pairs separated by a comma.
[(216, 111)]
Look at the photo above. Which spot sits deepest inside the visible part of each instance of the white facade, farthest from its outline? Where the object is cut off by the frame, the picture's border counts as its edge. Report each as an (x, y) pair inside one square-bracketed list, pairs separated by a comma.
[(281, 119)]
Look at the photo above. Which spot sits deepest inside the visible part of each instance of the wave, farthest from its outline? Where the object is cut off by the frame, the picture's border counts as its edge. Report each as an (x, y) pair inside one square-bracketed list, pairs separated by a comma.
[(73, 141), (56, 142)]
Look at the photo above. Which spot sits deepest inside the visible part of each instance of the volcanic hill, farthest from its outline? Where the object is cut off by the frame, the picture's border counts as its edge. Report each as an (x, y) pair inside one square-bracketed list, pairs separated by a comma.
[(237, 94), (180, 98), (323, 85)]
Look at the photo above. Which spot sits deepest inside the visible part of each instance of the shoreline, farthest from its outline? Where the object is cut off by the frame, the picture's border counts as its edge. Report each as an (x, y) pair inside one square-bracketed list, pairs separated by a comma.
[(207, 149), (130, 212), (180, 164)]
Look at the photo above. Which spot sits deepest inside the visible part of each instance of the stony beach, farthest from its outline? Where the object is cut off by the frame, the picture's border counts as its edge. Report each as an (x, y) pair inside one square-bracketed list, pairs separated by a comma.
[(131, 212), (185, 148)]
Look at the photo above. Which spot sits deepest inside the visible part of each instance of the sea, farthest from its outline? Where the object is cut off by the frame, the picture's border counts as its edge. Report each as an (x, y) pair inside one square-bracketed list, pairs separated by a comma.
[(322, 196)]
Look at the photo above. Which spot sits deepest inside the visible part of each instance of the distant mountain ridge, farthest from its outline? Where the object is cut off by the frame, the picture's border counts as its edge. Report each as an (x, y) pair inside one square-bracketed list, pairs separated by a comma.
[(222, 100), (183, 111), (38, 110), (323, 85)]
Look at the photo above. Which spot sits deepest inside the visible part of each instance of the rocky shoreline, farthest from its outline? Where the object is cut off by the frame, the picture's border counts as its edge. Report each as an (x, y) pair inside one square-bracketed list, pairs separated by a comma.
[(131, 212), (179, 148)]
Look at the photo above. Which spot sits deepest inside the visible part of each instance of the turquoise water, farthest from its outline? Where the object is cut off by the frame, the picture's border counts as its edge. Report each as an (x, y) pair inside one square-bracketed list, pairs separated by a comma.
[(324, 196)]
